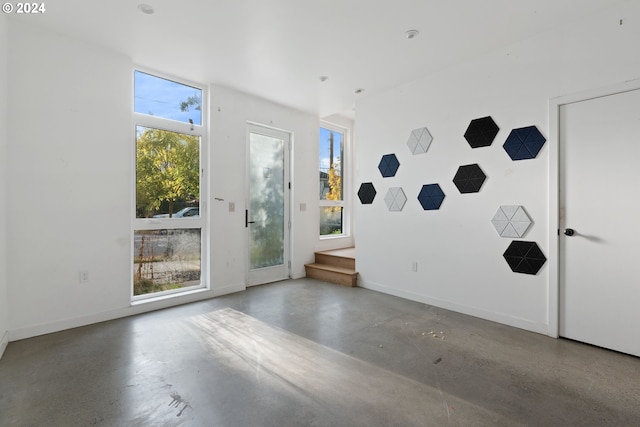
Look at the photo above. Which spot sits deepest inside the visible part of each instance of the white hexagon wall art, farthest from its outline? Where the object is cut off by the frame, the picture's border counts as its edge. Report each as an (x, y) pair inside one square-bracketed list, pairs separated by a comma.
[(395, 199), (511, 221), (419, 141)]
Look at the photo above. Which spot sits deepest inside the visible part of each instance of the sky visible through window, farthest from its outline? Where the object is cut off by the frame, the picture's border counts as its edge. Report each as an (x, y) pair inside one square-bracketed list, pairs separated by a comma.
[(163, 98), (325, 149)]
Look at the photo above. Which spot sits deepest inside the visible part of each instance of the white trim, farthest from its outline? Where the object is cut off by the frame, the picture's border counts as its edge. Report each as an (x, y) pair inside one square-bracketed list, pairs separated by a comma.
[(503, 318), (553, 291), (553, 303), (169, 124), (151, 305), (4, 342), (298, 274)]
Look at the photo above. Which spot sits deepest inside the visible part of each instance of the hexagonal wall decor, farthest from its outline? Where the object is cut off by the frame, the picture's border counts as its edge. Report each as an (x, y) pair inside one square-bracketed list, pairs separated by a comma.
[(481, 132), (367, 193), (419, 141), (524, 257), (524, 143), (469, 178), (395, 199), (511, 221), (389, 165), (431, 197)]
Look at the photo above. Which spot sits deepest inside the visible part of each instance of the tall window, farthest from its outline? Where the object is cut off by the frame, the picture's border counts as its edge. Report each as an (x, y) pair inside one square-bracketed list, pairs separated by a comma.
[(169, 146), (332, 206)]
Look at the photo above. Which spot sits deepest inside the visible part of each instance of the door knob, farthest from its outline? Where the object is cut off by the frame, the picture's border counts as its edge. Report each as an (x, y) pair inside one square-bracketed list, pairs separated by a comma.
[(569, 232)]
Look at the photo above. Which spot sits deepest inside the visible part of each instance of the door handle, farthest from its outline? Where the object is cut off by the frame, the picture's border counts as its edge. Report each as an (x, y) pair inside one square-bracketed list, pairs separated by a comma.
[(569, 232), (246, 218)]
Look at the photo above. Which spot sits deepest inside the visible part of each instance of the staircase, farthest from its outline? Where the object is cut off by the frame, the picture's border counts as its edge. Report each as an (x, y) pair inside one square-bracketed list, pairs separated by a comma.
[(336, 266)]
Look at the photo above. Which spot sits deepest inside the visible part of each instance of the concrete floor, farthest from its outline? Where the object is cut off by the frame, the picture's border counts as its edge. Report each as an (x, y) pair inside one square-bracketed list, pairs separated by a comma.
[(306, 353)]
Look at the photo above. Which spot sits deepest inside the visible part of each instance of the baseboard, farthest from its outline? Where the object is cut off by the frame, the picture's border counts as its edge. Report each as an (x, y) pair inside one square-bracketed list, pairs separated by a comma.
[(138, 308), (503, 318), (298, 274), (4, 342)]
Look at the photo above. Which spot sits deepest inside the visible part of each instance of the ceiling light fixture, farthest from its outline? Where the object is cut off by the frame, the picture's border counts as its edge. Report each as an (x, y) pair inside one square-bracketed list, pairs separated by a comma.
[(323, 78), (145, 8), (410, 34), (359, 91)]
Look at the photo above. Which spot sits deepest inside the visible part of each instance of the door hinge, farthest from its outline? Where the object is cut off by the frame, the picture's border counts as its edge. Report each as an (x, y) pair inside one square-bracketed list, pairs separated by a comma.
[(289, 185)]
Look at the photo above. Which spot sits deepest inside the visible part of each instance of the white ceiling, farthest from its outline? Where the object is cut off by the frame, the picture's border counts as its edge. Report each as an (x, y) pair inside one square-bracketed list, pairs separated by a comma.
[(277, 49)]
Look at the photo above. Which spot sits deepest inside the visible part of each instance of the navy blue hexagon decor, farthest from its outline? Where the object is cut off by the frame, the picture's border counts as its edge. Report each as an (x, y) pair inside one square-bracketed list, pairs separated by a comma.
[(389, 165), (524, 143), (524, 257), (367, 193), (481, 132), (431, 197), (469, 178)]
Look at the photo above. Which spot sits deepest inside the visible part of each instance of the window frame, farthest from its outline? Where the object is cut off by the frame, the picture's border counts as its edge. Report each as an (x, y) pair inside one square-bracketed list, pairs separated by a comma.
[(345, 170), (202, 221)]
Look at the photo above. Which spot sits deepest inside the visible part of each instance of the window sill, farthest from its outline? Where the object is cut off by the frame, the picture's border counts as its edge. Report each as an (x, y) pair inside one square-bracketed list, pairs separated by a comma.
[(166, 297), (334, 236)]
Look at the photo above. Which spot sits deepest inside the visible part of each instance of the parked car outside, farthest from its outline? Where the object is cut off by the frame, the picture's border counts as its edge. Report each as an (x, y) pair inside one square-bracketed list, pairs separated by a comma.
[(182, 213)]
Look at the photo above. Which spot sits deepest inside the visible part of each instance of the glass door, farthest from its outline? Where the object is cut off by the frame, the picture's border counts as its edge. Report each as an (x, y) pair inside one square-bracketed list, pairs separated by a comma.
[(267, 211)]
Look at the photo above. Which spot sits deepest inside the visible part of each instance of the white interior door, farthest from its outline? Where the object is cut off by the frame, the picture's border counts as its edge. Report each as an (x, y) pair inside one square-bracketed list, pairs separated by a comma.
[(600, 203), (267, 210)]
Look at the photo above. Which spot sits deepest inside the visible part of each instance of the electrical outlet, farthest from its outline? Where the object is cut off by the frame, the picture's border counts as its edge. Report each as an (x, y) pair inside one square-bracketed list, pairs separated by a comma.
[(414, 266), (303, 207), (232, 207), (83, 276)]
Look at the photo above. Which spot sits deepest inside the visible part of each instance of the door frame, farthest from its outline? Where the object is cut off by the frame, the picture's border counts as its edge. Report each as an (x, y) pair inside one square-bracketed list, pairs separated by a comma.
[(553, 306), (255, 127)]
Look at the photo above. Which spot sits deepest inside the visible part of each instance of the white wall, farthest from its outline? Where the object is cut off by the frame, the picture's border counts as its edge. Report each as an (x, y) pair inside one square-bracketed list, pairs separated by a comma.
[(69, 196), (70, 179), (4, 304), (459, 253)]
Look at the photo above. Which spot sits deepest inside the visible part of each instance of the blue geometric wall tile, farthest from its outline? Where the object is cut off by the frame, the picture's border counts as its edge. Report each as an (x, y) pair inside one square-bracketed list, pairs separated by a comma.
[(367, 193), (431, 197), (395, 199), (419, 141), (524, 143), (389, 165), (469, 178), (511, 221), (481, 132), (524, 257)]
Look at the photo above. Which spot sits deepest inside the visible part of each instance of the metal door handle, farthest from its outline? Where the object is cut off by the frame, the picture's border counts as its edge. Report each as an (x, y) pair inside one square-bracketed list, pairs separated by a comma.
[(246, 218), (569, 232)]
